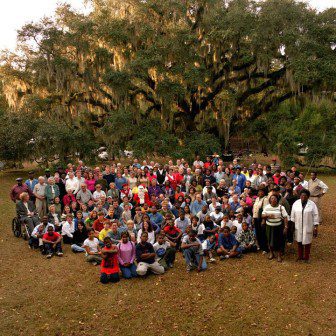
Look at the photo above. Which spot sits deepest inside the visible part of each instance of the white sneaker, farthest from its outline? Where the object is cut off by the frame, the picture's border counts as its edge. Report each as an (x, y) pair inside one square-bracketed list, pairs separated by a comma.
[(212, 260), (49, 256), (60, 254)]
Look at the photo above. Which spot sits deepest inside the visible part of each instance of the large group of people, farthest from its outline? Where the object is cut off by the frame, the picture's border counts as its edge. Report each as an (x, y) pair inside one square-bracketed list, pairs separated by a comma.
[(134, 219)]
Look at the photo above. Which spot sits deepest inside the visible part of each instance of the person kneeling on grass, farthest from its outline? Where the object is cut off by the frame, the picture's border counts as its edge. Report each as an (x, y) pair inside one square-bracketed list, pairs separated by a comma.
[(109, 269), (146, 257), (92, 248), (228, 246), (247, 239), (52, 242), (193, 252), (209, 246), (126, 256), (165, 252)]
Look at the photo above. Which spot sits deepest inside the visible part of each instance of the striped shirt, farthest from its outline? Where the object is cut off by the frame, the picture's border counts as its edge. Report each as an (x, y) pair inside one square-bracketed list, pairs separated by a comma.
[(279, 213)]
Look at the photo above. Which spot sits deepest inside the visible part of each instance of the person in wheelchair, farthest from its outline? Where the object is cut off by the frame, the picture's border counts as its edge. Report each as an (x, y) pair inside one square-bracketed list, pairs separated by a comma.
[(35, 240), (26, 211)]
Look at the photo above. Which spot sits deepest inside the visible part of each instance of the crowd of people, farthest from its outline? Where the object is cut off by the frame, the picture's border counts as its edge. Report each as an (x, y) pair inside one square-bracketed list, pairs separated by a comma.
[(133, 219)]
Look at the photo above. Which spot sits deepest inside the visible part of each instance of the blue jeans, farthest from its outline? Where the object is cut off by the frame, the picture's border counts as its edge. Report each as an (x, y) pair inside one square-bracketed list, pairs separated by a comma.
[(129, 272), (77, 248), (192, 257), (50, 249)]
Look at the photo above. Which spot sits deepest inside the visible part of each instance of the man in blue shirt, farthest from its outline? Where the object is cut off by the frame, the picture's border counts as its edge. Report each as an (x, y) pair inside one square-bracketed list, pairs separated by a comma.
[(32, 181), (197, 205), (235, 204), (241, 178), (155, 216)]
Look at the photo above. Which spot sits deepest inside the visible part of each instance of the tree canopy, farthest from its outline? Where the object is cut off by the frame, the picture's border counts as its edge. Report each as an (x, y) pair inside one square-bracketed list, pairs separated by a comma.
[(186, 66)]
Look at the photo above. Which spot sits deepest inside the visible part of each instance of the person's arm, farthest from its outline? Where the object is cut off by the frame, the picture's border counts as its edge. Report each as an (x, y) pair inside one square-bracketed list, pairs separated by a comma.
[(104, 252), (59, 239), (185, 245), (12, 195), (324, 188), (87, 249), (171, 243), (150, 254), (66, 230)]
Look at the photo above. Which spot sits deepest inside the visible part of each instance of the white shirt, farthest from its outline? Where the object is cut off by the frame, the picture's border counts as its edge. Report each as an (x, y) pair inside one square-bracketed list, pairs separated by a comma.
[(216, 216), (97, 195), (72, 184), (68, 229), (151, 237), (238, 226), (213, 190), (198, 163), (213, 207), (92, 244), (228, 223)]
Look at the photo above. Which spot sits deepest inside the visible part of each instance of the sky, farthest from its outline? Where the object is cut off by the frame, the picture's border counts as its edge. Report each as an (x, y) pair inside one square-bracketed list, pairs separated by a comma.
[(15, 13)]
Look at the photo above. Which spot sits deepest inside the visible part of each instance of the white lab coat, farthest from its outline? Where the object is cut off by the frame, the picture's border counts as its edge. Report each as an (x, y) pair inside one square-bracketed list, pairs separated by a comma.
[(304, 221)]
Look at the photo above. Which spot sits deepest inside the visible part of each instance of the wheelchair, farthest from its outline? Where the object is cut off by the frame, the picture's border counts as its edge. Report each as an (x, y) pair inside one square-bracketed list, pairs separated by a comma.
[(20, 228)]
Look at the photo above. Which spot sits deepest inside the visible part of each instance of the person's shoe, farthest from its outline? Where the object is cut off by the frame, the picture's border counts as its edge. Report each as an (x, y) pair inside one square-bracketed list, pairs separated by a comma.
[(189, 268), (279, 259), (212, 260), (271, 256), (94, 263), (49, 256), (171, 265), (264, 252), (59, 254), (289, 244)]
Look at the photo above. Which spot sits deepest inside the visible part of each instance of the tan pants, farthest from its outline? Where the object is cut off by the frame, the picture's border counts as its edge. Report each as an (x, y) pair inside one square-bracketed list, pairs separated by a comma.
[(317, 201), (41, 207), (143, 267)]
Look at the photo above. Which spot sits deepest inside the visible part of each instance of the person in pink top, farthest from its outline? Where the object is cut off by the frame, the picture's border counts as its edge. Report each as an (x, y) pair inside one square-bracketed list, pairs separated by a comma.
[(126, 256), (90, 182)]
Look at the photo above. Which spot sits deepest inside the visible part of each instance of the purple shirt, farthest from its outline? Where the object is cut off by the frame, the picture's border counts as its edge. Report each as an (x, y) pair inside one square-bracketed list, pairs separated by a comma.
[(126, 253), (154, 191)]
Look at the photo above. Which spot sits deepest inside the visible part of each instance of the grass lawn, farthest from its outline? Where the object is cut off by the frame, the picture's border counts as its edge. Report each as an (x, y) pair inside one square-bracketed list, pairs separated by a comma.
[(251, 296)]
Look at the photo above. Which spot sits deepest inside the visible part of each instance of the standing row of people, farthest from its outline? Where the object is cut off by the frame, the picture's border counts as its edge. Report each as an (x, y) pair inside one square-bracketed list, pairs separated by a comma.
[(135, 218)]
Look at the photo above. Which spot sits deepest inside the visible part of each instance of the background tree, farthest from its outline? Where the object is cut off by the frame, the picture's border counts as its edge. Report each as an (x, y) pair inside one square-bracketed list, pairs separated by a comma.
[(206, 65)]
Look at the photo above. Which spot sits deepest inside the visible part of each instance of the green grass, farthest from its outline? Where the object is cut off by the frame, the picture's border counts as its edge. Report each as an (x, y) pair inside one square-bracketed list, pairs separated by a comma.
[(251, 296)]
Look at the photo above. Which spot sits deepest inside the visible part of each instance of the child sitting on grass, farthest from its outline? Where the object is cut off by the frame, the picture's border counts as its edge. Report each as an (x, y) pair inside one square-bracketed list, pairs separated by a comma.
[(247, 239), (228, 246), (193, 252), (209, 247), (165, 252)]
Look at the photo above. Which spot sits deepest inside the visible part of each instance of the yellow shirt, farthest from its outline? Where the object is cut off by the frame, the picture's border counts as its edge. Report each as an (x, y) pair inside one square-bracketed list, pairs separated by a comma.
[(103, 233)]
